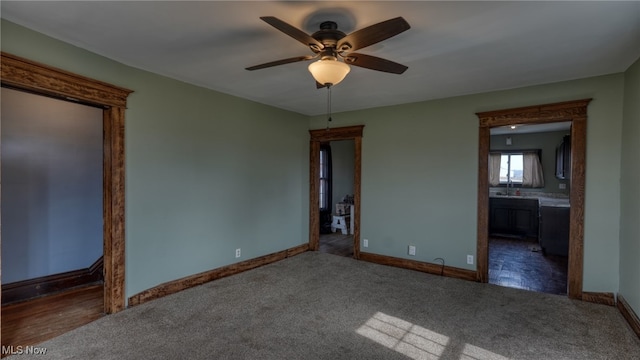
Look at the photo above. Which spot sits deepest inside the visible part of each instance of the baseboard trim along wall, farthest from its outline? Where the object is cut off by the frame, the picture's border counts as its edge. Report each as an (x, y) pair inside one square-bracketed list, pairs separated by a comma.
[(27, 289), (175, 286), (435, 269), (629, 314), (599, 298)]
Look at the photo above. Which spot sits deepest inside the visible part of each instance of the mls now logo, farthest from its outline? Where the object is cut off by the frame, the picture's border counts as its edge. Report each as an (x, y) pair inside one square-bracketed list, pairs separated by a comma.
[(23, 350)]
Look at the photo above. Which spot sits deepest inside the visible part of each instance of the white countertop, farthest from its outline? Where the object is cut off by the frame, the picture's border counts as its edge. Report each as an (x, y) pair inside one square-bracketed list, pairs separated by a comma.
[(543, 200)]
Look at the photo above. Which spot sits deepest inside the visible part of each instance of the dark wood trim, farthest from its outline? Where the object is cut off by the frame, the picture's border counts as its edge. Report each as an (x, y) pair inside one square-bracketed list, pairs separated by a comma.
[(482, 251), (599, 298), (41, 79), (97, 268), (357, 181), (448, 271), (537, 114), (333, 134), (574, 111), (175, 286), (28, 289), (576, 212), (325, 135), (629, 314), (314, 196)]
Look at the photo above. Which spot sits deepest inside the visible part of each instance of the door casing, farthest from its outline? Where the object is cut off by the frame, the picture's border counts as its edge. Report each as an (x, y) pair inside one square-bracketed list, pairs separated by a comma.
[(37, 78), (574, 111), (326, 135)]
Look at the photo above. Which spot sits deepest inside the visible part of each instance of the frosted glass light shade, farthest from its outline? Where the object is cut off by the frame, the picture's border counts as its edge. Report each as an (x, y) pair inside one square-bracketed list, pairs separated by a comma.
[(329, 71)]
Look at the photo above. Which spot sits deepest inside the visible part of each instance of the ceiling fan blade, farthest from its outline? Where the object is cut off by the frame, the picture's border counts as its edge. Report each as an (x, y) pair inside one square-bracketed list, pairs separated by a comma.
[(281, 62), (374, 63), (293, 31), (373, 34)]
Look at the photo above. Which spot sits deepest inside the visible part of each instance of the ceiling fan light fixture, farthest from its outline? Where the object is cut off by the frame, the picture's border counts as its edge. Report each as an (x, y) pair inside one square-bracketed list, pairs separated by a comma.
[(329, 72)]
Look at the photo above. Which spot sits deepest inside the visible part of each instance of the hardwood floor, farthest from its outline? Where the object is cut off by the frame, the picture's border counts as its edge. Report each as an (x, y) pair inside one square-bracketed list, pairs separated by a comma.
[(33, 321), (519, 263), (337, 244)]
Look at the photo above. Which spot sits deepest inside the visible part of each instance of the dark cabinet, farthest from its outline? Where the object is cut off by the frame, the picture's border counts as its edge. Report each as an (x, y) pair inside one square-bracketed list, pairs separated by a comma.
[(554, 230), (563, 158), (513, 217)]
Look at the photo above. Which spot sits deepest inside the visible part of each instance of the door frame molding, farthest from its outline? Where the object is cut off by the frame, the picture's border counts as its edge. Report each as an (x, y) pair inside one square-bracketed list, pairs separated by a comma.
[(325, 135), (37, 78), (574, 111)]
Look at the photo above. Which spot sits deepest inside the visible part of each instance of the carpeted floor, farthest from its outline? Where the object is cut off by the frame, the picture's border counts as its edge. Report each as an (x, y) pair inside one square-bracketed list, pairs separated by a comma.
[(322, 306)]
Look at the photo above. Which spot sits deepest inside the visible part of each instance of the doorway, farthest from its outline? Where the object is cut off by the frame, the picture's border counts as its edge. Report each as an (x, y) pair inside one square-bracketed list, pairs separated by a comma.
[(29, 76), (528, 208), (336, 197), (572, 111), (325, 136)]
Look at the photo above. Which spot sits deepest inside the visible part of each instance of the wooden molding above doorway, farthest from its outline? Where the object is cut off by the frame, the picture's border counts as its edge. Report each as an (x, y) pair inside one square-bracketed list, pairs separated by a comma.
[(37, 78), (326, 135), (574, 111)]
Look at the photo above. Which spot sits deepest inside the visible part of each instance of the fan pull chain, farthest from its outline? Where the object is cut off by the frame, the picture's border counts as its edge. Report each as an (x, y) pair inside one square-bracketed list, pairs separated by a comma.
[(328, 105)]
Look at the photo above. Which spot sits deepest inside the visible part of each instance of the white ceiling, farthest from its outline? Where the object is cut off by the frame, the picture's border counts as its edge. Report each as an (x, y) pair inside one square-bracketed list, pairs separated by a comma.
[(453, 48)]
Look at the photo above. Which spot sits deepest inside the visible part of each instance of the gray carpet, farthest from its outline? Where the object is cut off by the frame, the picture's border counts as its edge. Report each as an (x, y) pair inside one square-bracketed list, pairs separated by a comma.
[(322, 306)]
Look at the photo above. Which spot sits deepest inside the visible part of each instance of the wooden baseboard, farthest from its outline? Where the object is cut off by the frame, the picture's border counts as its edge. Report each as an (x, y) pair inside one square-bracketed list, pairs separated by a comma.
[(175, 286), (629, 314), (28, 289), (599, 298), (436, 269)]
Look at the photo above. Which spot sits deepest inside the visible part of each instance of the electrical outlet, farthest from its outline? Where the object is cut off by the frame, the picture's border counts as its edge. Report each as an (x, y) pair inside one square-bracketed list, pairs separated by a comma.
[(562, 186), (237, 253), (412, 250), (470, 259), (365, 242)]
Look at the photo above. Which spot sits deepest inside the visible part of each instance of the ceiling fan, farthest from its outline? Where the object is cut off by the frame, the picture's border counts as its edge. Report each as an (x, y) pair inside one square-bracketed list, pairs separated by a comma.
[(330, 44)]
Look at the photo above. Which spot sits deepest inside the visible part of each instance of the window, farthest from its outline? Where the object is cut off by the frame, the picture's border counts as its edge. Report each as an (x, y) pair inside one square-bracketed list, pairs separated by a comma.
[(511, 168), (521, 168), (325, 177)]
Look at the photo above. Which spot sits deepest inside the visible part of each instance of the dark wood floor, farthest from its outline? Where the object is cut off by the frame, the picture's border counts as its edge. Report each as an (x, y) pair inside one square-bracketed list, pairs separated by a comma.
[(34, 321), (519, 263), (336, 244)]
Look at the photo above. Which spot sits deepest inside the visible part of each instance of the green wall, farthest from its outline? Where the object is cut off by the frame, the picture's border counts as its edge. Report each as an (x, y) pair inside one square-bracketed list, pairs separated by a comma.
[(547, 143), (419, 173), (203, 179), (630, 190), (342, 161), (206, 172)]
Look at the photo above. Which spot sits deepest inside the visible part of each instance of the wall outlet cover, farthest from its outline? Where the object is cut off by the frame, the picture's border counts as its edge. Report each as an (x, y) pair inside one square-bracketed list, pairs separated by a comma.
[(237, 253), (412, 250), (470, 259), (365, 243)]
